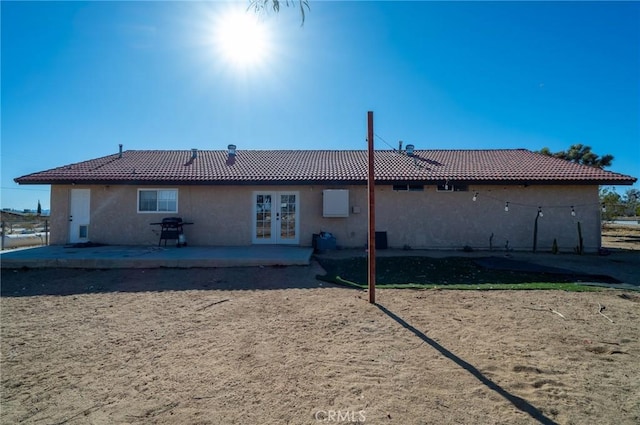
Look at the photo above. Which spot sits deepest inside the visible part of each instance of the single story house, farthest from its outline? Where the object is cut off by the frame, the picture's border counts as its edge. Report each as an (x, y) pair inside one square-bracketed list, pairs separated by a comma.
[(424, 199)]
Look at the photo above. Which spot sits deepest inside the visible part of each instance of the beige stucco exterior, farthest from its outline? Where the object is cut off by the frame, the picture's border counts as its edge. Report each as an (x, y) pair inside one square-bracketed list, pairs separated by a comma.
[(223, 215)]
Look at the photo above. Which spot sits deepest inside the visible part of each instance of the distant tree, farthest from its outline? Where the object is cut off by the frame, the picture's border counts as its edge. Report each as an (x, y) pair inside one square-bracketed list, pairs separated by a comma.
[(261, 5), (580, 154), (632, 202), (611, 203), (545, 151), (39, 209)]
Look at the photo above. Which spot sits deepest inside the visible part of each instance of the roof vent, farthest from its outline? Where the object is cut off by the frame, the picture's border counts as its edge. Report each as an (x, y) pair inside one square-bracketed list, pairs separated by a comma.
[(232, 150), (194, 153), (120, 152), (409, 150)]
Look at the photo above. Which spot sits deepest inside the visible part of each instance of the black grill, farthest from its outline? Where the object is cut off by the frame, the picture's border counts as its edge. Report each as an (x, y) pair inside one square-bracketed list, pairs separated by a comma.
[(171, 229), (172, 221)]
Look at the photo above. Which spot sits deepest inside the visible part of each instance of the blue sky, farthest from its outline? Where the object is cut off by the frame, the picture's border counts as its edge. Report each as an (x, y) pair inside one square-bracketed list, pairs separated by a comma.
[(80, 78)]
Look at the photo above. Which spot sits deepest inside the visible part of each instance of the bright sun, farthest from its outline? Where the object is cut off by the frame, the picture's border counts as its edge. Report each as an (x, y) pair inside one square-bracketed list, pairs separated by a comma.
[(242, 39)]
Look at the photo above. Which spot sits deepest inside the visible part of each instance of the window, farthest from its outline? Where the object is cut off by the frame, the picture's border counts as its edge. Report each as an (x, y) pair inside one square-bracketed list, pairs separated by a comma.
[(157, 200), (408, 187), (450, 187), (444, 188)]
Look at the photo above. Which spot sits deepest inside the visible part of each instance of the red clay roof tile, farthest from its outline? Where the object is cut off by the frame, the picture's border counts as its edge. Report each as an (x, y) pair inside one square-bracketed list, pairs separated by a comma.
[(316, 166)]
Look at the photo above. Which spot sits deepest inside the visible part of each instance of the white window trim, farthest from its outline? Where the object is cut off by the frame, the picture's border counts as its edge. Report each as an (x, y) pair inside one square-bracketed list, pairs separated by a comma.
[(157, 189)]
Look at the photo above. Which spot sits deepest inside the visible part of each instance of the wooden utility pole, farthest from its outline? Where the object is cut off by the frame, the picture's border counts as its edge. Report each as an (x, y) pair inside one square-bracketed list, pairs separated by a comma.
[(372, 213)]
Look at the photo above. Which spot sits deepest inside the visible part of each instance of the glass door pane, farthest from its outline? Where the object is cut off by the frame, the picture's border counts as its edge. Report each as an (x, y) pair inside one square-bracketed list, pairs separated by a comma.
[(263, 216), (287, 217)]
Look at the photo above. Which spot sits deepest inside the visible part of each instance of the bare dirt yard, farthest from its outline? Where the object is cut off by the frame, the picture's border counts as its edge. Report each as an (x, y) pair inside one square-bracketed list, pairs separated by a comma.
[(617, 236), (276, 346)]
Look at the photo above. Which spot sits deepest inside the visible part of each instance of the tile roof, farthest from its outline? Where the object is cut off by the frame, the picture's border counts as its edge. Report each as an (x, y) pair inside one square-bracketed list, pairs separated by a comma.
[(515, 166)]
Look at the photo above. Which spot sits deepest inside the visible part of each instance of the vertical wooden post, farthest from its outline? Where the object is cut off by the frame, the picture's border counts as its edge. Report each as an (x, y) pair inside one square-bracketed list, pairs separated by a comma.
[(372, 212)]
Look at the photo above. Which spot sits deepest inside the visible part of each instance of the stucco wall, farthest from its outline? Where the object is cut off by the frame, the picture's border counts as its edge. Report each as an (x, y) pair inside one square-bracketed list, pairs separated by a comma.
[(434, 219), (437, 220), (59, 219)]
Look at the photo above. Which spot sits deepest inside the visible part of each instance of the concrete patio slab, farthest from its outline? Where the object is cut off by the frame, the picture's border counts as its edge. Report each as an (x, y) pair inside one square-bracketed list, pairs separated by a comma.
[(106, 257)]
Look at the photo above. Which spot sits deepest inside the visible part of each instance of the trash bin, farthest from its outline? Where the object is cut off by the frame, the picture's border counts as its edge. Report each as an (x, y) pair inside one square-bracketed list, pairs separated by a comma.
[(323, 241)]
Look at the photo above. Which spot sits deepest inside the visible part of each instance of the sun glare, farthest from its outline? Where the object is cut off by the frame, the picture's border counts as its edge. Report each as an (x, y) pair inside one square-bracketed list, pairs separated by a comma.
[(242, 39)]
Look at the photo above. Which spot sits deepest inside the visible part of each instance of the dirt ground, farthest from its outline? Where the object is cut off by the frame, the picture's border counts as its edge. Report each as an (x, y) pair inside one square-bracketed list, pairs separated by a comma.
[(277, 346), (616, 236), (131, 346)]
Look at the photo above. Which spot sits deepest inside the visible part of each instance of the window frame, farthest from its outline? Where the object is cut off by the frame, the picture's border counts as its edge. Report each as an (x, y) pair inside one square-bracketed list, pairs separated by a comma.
[(458, 187), (157, 190), (408, 187)]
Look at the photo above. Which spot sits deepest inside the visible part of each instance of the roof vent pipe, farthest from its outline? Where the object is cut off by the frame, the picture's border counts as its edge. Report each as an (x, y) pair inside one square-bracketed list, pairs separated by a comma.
[(400, 146), (232, 150), (410, 150), (194, 153), (120, 152)]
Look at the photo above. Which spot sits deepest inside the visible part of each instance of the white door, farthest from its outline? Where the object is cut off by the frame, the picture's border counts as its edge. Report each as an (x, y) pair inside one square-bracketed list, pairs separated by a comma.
[(276, 218), (79, 215)]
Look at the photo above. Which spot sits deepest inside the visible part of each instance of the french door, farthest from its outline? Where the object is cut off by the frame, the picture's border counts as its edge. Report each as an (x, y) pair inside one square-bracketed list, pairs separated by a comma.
[(276, 218)]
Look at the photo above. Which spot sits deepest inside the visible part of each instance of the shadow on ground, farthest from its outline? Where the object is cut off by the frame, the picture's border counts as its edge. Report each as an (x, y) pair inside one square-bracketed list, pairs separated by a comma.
[(453, 270), (518, 402), (450, 270), (32, 282)]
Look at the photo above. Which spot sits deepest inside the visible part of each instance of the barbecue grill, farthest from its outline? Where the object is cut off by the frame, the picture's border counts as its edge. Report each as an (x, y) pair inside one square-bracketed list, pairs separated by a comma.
[(171, 229)]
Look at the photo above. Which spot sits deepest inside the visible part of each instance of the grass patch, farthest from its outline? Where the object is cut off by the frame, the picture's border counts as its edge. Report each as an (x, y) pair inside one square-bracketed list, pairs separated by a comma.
[(438, 273)]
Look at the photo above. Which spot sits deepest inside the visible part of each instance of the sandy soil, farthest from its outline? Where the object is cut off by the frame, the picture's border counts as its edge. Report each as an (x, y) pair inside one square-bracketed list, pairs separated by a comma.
[(117, 350), (618, 236)]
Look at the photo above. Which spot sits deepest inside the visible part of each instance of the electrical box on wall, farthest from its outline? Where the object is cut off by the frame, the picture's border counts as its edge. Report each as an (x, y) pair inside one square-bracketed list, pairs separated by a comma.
[(335, 203)]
